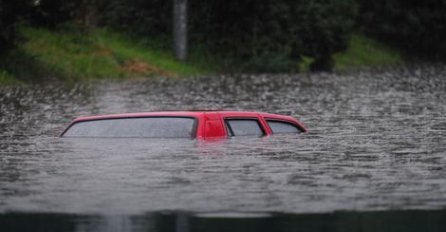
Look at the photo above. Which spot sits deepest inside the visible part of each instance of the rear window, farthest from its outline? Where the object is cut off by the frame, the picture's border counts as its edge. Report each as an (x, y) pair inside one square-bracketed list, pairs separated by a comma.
[(244, 127), (151, 127), (279, 127)]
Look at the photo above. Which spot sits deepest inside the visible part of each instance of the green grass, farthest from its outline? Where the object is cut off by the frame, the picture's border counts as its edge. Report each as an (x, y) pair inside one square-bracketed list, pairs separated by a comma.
[(304, 65), (366, 52), (71, 53), (102, 54), (6, 78)]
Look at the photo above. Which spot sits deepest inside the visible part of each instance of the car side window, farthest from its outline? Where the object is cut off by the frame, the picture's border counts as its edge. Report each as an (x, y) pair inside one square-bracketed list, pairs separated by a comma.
[(149, 127), (244, 127), (279, 127)]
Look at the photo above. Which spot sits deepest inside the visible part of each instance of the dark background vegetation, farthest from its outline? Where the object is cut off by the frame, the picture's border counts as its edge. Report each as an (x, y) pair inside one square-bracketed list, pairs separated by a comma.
[(268, 35)]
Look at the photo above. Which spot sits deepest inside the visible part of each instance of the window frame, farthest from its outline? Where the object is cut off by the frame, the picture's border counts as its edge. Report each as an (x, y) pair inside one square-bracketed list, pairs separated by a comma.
[(299, 128), (193, 134), (230, 132)]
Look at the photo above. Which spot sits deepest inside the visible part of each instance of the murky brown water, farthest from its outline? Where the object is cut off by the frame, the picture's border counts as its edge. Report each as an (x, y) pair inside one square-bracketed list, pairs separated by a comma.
[(377, 142)]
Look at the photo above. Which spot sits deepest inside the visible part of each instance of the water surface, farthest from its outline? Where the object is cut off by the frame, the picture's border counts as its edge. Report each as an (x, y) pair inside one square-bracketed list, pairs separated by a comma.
[(376, 144)]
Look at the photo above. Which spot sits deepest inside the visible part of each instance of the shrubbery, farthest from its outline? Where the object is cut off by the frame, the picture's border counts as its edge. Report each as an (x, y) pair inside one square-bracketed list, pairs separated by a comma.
[(415, 26), (268, 35), (263, 35), (11, 13)]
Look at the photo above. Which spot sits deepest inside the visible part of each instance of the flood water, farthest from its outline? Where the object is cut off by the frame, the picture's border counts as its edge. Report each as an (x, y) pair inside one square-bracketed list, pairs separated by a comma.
[(374, 159)]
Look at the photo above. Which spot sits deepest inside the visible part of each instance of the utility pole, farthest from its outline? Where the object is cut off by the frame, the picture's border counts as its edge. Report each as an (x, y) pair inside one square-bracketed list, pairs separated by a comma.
[(180, 28)]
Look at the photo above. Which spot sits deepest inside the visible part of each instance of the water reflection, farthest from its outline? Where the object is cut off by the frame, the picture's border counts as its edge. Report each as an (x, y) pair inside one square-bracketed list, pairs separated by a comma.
[(407, 221)]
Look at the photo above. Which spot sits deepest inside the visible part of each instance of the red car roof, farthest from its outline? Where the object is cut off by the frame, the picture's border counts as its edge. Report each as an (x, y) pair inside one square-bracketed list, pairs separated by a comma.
[(142, 114), (194, 114), (183, 114)]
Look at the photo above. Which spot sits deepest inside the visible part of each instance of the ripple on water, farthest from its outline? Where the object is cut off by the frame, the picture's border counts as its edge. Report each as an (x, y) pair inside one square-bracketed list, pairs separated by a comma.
[(376, 141)]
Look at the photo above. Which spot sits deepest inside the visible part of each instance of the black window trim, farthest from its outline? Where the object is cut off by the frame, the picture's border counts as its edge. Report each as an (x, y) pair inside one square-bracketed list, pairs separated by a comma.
[(284, 121), (229, 130), (194, 126)]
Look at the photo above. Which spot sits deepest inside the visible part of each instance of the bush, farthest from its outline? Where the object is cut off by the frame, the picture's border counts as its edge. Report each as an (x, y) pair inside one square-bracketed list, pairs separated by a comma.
[(258, 34), (325, 28), (416, 26), (141, 17), (11, 12), (263, 35), (255, 30)]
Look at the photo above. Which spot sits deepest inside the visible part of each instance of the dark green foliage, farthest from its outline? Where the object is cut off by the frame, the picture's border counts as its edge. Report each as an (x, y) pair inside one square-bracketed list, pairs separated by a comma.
[(141, 17), (259, 35), (267, 35), (262, 32), (324, 26), (51, 13), (11, 12), (22, 66), (415, 26)]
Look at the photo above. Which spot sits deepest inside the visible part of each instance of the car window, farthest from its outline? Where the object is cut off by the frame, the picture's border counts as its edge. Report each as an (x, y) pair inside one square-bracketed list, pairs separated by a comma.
[(244, 127), (150, 127), (279, 127)]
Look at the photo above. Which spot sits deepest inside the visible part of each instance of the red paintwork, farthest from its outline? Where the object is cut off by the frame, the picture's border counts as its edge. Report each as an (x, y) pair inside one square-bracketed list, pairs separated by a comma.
[(210, 123)]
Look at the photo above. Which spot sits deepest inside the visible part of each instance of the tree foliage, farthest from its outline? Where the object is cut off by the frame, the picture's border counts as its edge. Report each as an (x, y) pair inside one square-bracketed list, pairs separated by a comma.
[(272, 31), (141, 17), (264, 34), (416, 26), (11, 12)]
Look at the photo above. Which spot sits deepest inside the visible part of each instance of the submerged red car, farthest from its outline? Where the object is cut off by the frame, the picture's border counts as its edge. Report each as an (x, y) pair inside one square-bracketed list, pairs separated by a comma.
[(183, 124)]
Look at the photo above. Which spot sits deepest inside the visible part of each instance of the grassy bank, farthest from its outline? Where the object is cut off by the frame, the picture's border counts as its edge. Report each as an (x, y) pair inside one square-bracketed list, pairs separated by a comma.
[(366, 52), (6, 78), (98, 53), (361, 52), (73, 54)]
